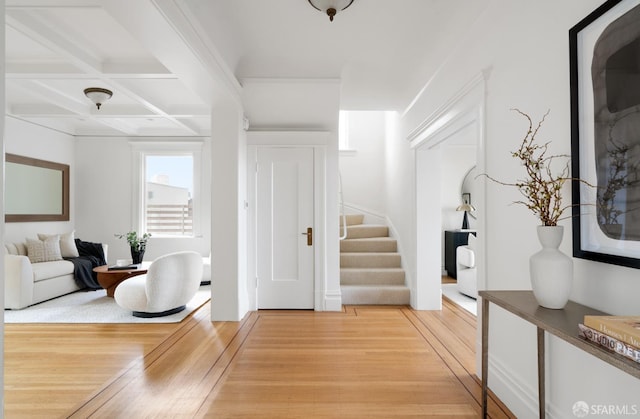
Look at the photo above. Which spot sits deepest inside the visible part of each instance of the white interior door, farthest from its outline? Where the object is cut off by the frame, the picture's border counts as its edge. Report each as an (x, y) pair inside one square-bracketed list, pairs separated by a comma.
[(285, 255)]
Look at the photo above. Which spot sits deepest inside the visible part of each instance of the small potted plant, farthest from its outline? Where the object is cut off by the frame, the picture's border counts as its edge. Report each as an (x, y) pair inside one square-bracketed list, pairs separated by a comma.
[(138, 245)]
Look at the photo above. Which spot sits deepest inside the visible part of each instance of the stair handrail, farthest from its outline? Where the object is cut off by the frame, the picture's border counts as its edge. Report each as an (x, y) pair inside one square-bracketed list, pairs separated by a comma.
[(344, 216)]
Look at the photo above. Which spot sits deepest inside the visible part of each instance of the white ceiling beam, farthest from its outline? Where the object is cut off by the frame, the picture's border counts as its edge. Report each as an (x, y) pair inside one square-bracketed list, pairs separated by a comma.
[(40, 31), (162, 27), (190, 29), (41, 69), (48, 4), (57, 124), (111, 111), (52, 96), (185, 111), (117, 124), (192, 126), (121, 70), (56, 98), (51, 38), (39, 110), (152, 107), (153, 68)]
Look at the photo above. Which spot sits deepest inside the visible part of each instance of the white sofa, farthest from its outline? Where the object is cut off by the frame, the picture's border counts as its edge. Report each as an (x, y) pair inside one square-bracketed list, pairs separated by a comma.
[(466, 268), (28, 283)]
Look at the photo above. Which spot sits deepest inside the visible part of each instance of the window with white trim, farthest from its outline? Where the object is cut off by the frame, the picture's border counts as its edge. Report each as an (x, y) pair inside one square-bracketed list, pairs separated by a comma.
[(168, 202), (168, 190), (343, 130)]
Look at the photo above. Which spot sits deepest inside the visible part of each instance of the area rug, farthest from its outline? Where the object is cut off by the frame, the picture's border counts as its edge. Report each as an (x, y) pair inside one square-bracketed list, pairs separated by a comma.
[(451, 292), (95, 307)]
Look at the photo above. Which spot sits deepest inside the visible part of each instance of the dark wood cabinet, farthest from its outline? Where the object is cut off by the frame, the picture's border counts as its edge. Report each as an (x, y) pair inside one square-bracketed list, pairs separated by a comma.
[(453, 239)]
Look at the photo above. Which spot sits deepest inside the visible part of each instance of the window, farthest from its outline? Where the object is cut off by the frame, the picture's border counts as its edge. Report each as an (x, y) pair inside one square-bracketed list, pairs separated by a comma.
[(168, 189), (168, 202), (343, 130)]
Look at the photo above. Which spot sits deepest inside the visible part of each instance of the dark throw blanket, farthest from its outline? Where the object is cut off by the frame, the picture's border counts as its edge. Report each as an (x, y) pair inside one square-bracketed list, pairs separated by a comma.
[(91, 255)]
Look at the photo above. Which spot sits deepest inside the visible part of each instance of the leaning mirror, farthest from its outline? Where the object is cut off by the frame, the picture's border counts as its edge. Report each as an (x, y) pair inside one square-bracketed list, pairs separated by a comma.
[(35, 190)]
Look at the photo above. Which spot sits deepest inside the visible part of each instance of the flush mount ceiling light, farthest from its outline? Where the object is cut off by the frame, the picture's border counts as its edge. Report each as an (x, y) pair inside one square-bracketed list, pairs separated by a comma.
[(330, 7), (98, 95)]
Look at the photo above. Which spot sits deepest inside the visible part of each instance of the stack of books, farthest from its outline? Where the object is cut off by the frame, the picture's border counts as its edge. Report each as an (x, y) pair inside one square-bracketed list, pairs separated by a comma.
[(620, 334)]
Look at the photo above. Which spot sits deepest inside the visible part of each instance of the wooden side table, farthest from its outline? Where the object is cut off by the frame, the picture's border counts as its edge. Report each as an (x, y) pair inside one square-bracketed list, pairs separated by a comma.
[(561, 323), (110, 279)]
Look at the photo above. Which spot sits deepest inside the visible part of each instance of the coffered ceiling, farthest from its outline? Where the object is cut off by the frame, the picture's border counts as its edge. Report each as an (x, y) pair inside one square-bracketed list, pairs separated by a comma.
[(56, 49), (383, 52)]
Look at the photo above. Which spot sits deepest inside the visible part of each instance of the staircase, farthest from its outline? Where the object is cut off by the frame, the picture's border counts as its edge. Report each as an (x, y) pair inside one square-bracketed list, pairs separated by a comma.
[(370, 268)]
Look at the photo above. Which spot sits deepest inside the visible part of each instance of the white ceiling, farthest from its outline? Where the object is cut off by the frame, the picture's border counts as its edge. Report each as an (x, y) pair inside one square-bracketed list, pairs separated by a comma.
[(383, 52)]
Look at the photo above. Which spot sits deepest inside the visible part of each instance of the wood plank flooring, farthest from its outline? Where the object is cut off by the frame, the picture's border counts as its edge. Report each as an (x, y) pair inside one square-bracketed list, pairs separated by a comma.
[(367, 361)]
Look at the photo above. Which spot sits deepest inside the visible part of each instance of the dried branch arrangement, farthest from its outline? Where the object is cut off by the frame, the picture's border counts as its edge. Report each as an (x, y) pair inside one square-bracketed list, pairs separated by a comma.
[(542, 186)]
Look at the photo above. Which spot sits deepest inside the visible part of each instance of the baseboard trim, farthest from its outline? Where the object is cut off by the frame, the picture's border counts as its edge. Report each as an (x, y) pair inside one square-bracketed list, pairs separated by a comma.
[(517, 395), (332, 301)]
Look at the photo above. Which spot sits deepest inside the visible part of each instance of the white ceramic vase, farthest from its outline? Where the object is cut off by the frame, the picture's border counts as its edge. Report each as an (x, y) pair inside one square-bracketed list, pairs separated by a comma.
[(551, 270)]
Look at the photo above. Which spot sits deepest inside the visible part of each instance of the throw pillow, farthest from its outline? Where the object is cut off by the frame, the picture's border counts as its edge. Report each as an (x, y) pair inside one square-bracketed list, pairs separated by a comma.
[(44, 250), (17, 249), (68, 247)]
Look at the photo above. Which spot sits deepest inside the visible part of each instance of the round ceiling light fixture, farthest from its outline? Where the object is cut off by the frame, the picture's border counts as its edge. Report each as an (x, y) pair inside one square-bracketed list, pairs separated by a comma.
[(98, 95), (330, 7)]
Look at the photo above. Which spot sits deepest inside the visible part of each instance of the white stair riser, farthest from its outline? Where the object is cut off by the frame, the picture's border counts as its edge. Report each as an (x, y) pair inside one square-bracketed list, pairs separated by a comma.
[(370, 260), (354, 276), (352, 219), (364, 295), (364, 231), (369, 245)]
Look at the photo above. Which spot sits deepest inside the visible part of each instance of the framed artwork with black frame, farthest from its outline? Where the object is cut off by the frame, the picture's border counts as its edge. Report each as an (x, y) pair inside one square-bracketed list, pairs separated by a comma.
[(604, 51)]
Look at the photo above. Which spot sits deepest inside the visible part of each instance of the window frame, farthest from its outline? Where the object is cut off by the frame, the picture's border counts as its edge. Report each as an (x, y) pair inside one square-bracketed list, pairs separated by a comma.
[(343, 131), (166, 148)]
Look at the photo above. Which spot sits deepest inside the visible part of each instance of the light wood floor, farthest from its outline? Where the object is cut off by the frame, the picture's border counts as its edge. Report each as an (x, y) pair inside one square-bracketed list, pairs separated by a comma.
[(368, 362)]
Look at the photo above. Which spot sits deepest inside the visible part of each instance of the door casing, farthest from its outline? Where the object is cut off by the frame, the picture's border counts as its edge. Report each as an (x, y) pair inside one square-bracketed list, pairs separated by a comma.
[(326, 287)]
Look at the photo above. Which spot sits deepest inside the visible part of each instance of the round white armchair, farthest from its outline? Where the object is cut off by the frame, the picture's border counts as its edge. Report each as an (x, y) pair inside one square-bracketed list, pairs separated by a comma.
[(169, 284)]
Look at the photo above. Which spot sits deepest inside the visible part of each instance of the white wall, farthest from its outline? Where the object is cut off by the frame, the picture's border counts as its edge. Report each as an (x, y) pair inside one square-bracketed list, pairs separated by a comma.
[(2, 230), (104, 193), (229, 298), (41, 143), (363, 168), (524, 54), (399, 189)]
